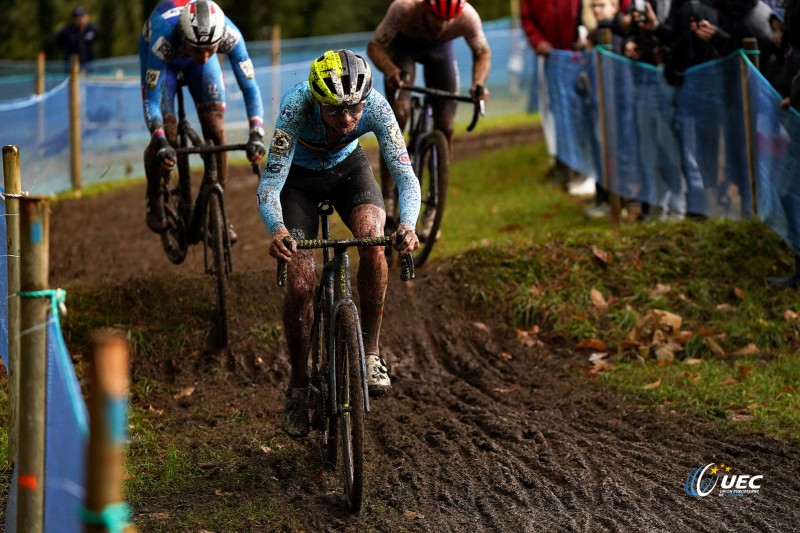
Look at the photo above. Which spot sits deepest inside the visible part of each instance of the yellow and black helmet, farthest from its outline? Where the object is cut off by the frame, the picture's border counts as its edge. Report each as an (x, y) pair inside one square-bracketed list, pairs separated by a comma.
[(340, 77)]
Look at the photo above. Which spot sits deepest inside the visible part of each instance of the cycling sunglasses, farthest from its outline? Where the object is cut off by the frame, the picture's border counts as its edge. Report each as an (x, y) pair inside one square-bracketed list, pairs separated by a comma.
[(334, 110)]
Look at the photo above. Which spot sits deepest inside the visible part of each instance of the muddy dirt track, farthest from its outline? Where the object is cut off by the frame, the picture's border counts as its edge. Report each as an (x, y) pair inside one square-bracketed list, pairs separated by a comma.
[(469, 439)]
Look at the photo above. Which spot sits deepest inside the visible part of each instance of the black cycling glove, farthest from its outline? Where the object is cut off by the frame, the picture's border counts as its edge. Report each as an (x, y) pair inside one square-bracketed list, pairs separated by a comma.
[(165, 154), (255, 145)]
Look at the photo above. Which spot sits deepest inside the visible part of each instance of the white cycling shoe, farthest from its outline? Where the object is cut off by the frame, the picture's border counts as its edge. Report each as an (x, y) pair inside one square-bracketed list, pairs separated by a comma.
[(378, 380)]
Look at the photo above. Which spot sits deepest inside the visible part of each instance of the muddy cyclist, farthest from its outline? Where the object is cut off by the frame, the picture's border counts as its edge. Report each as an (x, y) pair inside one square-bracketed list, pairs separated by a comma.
[(315, 156)]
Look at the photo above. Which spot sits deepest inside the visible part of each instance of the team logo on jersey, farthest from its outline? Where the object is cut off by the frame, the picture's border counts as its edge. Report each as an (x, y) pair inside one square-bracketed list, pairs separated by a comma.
[(151, 78), (274, 167), (287, 113), (397, 136), (280, 142), (404, 160), (146, 31), (162, 49), (170, 13), (247, 68)]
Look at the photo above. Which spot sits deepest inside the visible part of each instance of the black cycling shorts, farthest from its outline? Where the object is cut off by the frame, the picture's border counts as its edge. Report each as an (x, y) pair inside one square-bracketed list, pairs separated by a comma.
[(347, 185), (439, 67)]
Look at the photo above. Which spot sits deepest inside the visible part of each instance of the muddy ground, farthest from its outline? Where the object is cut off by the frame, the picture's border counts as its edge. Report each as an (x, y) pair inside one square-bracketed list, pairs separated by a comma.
[(478, 434)]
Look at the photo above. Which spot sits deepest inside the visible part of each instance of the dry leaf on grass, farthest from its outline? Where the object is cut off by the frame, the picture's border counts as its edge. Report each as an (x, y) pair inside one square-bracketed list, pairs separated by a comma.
[(505, 355), (692, 361), (739, 293), (184, 393), (744, 371), (790, 315), (592, 344), (653, 385), (750, 349), (412, 515), (598, 300), (529, 338), (659, 290), (599, 363), (729, 380), (602, 255), (727, 308), (714, 347), (665, 354)]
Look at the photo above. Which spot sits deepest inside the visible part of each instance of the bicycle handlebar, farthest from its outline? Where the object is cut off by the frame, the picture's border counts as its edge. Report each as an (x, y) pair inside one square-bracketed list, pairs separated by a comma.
[(214, 149), (406, 260), (479, 109)]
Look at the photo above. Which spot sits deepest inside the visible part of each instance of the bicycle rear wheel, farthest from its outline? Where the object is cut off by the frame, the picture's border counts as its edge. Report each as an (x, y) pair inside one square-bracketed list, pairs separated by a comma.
[(350, 394), (216, 234), (433, 175)]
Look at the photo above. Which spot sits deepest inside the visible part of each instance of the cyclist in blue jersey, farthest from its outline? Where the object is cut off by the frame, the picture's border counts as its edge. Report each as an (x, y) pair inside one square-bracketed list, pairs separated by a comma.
[(315, 156), (183, 36)]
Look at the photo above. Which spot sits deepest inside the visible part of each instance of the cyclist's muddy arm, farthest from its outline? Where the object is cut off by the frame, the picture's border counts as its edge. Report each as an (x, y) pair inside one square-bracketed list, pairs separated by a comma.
[(481, 63), (378, 45), (279, 160), (244, 72), (393, 148)]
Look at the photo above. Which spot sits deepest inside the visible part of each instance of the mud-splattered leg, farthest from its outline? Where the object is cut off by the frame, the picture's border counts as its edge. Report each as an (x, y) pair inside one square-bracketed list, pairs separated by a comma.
[(298, 314), (212, 119), (367, 221)]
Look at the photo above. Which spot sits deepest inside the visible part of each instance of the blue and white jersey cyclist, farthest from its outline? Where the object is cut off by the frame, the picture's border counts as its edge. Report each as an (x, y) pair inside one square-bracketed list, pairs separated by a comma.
[(183, 36), (315, 156)]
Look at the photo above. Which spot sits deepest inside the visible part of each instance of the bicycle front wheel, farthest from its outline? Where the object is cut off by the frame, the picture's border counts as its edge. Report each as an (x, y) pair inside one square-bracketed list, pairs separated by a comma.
[(350, 394), (433, 174), (216, 239)]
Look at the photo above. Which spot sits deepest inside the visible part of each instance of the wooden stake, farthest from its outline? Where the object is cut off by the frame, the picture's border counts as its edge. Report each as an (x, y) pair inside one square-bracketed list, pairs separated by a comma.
[(749, 43), (75, 123), (604, 40), (108, 415), (34, 267), (13, 186), (40, 85)]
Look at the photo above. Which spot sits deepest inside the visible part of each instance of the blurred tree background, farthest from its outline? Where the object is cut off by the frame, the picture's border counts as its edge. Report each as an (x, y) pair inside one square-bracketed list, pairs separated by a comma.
[(31, 25)]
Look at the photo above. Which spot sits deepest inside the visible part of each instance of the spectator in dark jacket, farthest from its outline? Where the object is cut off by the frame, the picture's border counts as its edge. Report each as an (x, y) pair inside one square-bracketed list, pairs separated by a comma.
[(78, 38)]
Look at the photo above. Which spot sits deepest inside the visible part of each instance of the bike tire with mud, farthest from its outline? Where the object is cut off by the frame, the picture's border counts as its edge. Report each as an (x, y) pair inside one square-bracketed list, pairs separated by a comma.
[(350, 394), (216, 233), (434, 175)]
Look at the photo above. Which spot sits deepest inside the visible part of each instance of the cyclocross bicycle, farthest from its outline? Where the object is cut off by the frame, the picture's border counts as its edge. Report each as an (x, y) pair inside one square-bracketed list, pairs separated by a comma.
[(429, 155), (338, 393), (202, 220)]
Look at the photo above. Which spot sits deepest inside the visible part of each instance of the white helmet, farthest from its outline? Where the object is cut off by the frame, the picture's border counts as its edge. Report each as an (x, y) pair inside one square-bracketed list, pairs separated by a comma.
[(202, 23)]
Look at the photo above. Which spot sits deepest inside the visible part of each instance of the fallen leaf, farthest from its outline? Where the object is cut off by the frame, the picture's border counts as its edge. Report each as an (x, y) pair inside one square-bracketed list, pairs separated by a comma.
[(744, 371), (653, 385), (750, 349), (481, 326), (184, 393), (683, 337), (602, 255), (259, 361), (598, 300), (727, 308), (659, 290), (412, 515), (739, 293), (637, 263), (715, 348), (510, 228), (729, 380), (485, 242), (528, 338), (692, 361), (665, 354), (266, 449), (535, 291), (160, 516), (593, 344), (790, 315), (505, 355), (598, 356)]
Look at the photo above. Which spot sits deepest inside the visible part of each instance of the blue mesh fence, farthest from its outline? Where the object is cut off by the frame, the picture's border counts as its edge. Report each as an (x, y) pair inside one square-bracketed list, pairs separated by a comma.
[(682, 149), (113, 128), (66, 438)]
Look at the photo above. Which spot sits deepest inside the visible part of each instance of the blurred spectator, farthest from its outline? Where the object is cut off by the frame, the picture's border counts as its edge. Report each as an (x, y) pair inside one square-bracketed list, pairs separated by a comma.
[(548, 26), (78, 38)]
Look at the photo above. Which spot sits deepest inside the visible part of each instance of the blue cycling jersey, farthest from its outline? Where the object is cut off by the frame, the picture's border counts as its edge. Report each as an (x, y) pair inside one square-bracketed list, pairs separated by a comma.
[(300, 139), (162, 54)]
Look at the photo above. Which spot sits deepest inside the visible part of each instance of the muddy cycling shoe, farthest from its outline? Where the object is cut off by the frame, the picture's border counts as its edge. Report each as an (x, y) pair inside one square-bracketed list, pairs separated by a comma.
[(155, 217), (295, 413), (378, 380)]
